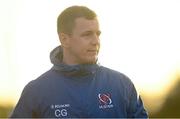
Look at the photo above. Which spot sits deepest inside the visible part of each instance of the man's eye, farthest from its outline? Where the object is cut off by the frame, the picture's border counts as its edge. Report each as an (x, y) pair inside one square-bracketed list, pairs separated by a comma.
[(87, 34)]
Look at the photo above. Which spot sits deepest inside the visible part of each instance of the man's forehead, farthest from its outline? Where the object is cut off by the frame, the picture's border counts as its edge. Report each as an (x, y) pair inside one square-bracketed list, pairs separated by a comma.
[(84, 21), (84, 24)]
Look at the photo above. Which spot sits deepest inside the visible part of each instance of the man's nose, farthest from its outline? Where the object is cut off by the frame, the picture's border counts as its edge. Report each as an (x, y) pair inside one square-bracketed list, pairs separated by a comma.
[(95, 39)]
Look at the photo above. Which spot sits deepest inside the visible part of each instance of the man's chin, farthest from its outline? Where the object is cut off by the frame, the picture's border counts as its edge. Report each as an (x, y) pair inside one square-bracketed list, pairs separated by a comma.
[(94, 61), (90, 60)]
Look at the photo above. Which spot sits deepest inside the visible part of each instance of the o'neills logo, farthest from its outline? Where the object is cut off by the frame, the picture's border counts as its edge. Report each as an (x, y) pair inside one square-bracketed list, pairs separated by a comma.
[(105, 101)]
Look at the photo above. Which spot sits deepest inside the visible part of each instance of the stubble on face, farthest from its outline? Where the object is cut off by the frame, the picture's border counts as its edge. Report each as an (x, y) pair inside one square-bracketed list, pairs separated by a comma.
[(84, 42)]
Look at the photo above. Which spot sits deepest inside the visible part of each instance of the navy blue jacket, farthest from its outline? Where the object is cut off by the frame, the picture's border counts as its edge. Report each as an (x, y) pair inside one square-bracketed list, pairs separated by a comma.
[(90, 91)]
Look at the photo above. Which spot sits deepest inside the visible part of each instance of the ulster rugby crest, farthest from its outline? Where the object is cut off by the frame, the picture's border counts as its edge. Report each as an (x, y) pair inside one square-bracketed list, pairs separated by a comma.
[(105, 101)]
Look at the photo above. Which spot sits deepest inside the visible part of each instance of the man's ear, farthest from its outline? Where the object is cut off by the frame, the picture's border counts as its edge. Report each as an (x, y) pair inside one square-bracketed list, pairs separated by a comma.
[(64, 39)]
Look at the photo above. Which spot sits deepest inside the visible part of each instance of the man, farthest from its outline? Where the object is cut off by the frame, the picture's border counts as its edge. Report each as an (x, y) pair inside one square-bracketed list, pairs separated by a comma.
[(76, 86)]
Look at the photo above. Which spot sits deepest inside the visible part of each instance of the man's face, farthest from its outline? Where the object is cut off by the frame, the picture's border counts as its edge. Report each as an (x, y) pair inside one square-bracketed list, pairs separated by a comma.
[(84, 42)]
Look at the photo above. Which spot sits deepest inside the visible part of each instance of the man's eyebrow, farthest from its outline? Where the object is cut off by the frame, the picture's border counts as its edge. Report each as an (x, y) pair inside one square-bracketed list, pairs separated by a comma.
[(91, 31), (86, 32)]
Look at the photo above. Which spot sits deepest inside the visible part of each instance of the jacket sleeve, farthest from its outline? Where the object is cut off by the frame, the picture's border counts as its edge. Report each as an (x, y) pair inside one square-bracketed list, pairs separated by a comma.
[(26, 106), (136, 108)]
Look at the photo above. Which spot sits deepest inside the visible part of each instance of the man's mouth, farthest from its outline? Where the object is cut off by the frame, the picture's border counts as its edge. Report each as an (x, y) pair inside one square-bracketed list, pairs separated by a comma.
[(92, 51)]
